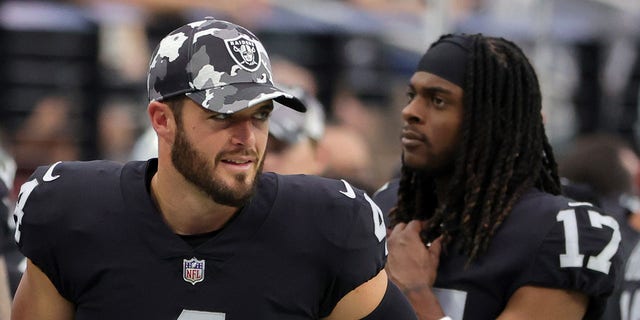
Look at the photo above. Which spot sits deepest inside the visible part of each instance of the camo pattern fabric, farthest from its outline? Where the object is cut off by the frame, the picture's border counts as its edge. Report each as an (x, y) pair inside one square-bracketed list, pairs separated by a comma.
[(218, 64)]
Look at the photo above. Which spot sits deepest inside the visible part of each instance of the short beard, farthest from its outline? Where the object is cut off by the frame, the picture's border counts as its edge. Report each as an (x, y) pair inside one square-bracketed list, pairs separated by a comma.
[(444, 170), (198, 170)]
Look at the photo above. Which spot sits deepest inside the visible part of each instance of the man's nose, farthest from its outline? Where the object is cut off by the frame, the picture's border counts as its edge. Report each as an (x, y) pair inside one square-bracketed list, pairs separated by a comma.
[(409, 113), (242, 132)]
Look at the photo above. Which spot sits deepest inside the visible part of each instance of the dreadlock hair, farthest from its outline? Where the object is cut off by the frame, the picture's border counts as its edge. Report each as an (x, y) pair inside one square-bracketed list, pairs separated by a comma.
[(503, 152)]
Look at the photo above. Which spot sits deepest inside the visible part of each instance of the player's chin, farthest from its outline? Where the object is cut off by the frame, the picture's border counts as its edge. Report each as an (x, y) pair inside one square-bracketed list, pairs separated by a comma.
[(235, 194), (236, 183), (243, 182), (414, 160)]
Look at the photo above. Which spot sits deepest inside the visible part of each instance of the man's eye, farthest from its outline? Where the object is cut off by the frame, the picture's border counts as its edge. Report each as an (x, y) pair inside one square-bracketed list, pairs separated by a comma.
[(437, 101), (221, 116), (263, 115), (410, 95)]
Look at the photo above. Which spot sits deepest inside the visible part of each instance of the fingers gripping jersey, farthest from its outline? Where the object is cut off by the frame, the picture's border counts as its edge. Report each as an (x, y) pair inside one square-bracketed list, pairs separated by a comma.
[(296, 249), (547, 241)]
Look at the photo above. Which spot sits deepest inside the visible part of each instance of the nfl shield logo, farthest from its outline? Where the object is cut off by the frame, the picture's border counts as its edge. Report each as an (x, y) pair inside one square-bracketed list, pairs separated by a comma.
[(244, 52), (193, 270)]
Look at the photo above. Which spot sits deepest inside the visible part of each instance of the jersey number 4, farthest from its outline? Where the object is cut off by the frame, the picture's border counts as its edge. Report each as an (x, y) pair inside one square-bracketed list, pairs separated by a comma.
[(25, 191), (573, 257)]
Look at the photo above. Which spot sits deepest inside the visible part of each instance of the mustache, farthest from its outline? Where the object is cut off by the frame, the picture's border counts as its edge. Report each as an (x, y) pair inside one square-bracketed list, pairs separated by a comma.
[(409, 133), (238, 153)]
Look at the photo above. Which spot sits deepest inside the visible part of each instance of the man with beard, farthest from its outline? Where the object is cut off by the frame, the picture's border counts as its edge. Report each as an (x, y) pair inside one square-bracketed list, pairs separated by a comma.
[(478, 198), (200, 232)]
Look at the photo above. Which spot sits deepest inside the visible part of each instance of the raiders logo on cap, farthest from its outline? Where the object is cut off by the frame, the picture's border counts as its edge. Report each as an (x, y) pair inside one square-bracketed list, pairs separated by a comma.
[(244, 52)]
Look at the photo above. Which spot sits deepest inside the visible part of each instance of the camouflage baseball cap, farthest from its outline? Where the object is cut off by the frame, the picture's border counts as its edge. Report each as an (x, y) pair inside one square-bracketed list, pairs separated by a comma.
[(220, 65)]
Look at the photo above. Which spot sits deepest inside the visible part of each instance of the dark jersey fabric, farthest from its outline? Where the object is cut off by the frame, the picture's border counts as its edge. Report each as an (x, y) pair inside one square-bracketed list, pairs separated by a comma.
[(536, 245), (624, 303), (627, 299), (295, 250)]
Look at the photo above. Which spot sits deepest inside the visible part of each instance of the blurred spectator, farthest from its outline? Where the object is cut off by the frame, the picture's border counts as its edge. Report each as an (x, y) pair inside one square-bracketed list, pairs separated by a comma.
[(146, 146), (603, 161), (246, 12), (389, 6), (7, 173), (349, 157), (609, 166), (290, 73), (373, 128), (117, 131), (49, 134), (5, 294), (352, 111), (128, 60), (294, 137)]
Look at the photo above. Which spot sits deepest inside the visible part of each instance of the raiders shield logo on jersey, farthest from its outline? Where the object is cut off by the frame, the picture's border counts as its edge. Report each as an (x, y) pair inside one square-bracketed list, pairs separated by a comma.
[(193, 270), (244, 52)]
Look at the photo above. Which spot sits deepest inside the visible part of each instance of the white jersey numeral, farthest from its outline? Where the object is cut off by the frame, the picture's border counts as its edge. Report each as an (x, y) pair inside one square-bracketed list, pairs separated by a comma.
[(25, 192), (602, 262), (572, 256), (379, 228), (200, 315), (630, 305), (18, 212)]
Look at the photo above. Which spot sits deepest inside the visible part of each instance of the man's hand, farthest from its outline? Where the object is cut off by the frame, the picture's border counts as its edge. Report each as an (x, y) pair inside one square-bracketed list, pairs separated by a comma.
[(410, 263), (413, 267)]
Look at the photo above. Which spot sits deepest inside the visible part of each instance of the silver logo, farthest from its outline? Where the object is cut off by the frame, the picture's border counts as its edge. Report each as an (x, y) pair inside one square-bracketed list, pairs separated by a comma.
[(244, 52)]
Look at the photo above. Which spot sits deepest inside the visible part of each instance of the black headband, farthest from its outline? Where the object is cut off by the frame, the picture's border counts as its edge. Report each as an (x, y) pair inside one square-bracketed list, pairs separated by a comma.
[(448, 58)]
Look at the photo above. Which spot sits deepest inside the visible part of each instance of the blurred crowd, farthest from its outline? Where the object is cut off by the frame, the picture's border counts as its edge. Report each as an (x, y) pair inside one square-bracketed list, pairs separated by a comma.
[(74, 71), (75, 75), (73, 84)]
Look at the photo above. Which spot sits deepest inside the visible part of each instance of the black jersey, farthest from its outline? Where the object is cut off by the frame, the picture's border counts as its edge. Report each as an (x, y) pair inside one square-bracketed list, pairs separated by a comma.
[(549, 241), (624, 303), (292, 252), (628, 297)]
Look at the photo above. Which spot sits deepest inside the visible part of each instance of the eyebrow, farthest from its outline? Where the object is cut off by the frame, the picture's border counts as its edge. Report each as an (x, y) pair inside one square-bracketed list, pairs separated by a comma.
[(431, 90), (268, 106)]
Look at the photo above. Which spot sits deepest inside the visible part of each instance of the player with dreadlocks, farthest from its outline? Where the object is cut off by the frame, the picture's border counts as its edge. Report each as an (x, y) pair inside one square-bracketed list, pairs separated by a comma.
[(478, 196)]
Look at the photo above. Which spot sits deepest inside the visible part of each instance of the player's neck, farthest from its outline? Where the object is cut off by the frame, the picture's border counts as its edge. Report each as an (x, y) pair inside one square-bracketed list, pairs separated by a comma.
[(186, 210)]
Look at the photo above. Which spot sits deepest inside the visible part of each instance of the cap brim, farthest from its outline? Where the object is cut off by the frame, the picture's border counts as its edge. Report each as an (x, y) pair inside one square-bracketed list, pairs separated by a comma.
[(235, 97)]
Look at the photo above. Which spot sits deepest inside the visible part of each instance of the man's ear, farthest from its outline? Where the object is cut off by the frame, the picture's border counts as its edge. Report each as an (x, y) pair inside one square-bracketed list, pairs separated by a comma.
[(162, 119)]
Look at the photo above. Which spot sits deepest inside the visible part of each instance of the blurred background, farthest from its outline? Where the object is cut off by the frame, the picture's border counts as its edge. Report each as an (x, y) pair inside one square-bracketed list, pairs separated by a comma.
[(73, 82), (72, 73)]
